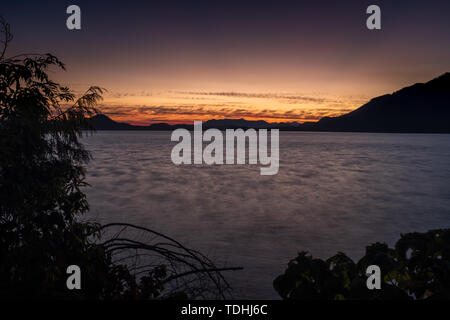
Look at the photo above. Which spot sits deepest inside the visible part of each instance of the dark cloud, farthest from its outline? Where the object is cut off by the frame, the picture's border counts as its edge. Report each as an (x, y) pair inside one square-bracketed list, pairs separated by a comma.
[(273, 96), (152, 113)]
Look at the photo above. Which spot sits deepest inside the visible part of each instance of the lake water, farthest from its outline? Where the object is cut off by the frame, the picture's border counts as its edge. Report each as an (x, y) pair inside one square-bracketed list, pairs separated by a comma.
[(334, 192)]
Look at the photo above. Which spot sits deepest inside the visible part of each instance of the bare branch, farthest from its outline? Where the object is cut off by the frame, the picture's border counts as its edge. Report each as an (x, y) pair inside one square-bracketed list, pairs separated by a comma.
[(5, 36), (188, 270)]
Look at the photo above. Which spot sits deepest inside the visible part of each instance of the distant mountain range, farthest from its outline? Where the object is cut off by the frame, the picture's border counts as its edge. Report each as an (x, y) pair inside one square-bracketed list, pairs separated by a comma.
[(103, 122), (420, 108)]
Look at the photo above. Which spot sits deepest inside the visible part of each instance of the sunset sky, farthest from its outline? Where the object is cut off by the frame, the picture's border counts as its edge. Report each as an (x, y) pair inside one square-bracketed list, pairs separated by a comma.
[(179, 61)]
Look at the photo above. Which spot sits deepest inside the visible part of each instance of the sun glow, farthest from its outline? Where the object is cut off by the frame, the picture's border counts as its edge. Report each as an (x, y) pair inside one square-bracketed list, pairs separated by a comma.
[(143, 108)]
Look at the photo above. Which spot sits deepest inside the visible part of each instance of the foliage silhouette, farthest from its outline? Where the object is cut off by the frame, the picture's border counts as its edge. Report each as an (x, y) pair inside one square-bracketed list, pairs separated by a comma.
[(417, 268), (42, 177)]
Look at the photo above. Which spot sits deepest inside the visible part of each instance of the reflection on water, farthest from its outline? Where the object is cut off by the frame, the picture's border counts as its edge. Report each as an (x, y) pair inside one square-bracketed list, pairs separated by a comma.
[(334, 192)]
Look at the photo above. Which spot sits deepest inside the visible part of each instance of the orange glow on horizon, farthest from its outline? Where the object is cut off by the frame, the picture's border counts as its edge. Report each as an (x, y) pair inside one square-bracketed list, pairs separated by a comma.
[(183, 107)]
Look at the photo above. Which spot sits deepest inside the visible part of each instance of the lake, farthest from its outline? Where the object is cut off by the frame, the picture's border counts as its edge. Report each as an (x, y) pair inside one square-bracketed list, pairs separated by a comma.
[(333, 192)]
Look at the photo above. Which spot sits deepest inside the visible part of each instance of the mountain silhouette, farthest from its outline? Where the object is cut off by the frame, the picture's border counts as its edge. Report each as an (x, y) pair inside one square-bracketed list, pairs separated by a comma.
[(103, 122), (242, 123), (420, 108), (239, 123)]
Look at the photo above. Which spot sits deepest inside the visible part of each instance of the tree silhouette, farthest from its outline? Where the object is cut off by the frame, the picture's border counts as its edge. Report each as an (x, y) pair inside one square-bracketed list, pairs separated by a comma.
[(41, 199)]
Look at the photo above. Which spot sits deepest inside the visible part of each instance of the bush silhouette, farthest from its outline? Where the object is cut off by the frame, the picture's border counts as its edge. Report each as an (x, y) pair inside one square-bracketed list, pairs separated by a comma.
[(417, 268)]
